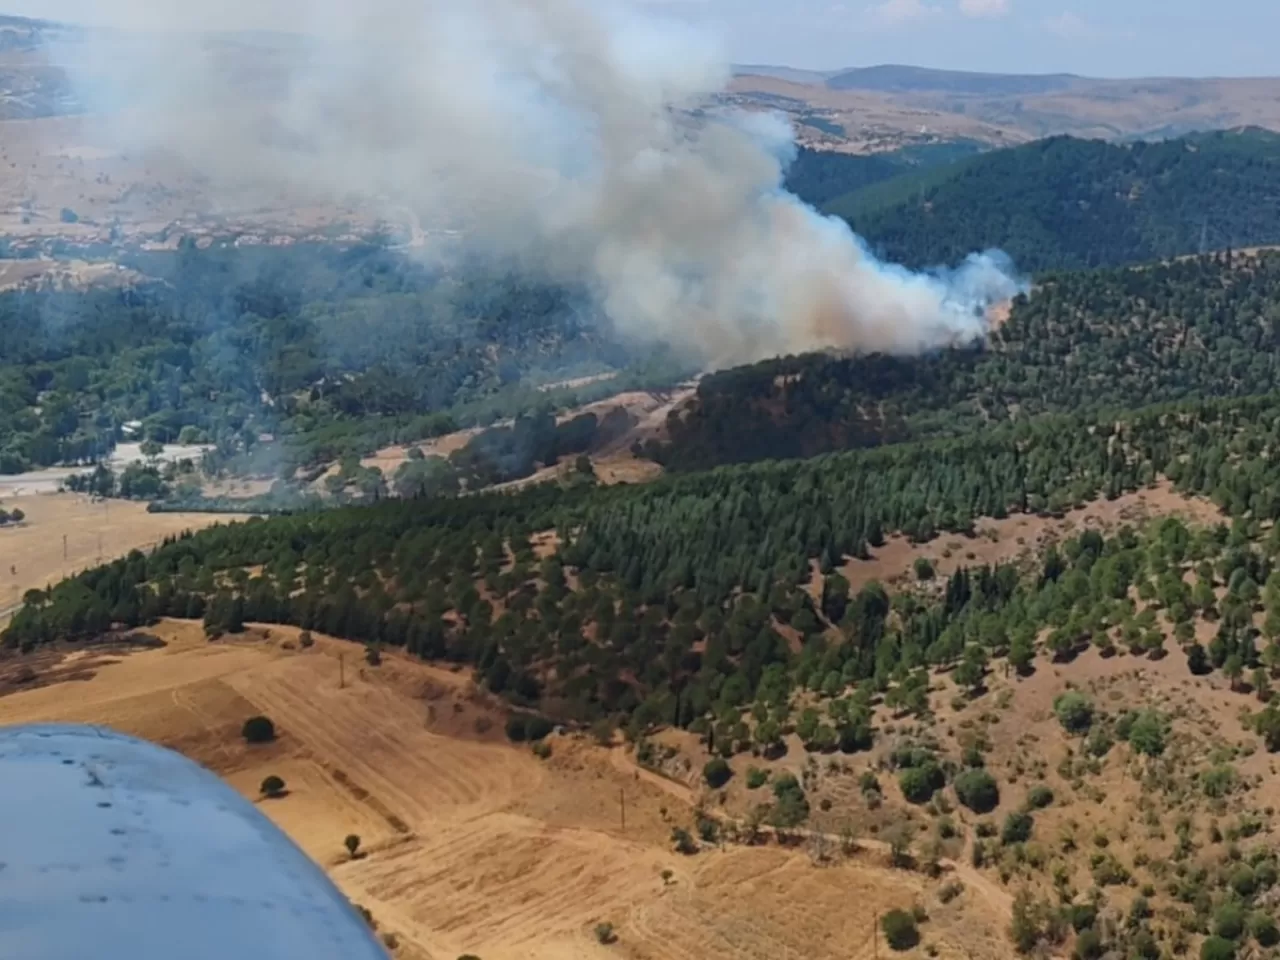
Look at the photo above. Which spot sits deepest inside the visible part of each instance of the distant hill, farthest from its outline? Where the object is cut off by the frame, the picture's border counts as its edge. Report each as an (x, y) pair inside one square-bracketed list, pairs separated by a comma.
[(899, 79), (1070, 203), (875, 104)]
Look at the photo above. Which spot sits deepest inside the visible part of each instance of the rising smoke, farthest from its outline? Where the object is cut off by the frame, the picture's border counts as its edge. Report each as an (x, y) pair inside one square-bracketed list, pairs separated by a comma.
[(576, 138)]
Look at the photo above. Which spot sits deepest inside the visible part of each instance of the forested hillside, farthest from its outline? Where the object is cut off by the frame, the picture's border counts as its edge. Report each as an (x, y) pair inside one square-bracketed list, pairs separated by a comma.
[(820, 176), (1201, 327), (738, 603), (1069, 203), (615, 622), (338, 350)]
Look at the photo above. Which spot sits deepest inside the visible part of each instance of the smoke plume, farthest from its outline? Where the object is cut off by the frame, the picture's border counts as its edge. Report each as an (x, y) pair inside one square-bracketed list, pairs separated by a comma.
[(578, 139)]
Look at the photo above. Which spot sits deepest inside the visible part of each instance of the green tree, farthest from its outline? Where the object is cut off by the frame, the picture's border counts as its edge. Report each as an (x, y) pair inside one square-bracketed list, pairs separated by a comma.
[(1229, 921), (1147, 735), (920, 783), (1262, 927), (717, 773), (1233, 669), (1021, 653), (1017, 828), (977, 790), (258, 730), (1074, 711), (900, 930)]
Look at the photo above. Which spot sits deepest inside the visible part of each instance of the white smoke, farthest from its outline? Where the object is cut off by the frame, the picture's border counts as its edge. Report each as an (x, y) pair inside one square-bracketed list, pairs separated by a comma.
[(576, 137)]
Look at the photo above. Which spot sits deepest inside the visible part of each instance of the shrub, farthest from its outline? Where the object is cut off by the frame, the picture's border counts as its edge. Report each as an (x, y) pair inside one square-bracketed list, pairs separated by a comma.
[(516, 729), (1039, 797), (1017, 828), (900, 930), (977, 790), (1265, 873), (923, 568), (682, 840), (537, 728), (1218, 781), (717, 773), (1074, 711), (1217, 948), (306, 639), (542, 750), (1229, 921), (1262, 927), (1143, 946), (605, 933), (272, 787), (792, 806), (258, 730), (757, 778), (1147, 735), (1089, 945), (1243, 881), (1082, 916), (527, 726), (352, 843)]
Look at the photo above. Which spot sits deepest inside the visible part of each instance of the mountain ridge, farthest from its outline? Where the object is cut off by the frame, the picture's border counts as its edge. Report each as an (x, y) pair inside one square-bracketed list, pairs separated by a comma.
[(882, 107)]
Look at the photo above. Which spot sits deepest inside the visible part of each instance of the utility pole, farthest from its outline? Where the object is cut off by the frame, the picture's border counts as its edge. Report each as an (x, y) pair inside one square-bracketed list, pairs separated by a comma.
[(64, 546), (342, 670)]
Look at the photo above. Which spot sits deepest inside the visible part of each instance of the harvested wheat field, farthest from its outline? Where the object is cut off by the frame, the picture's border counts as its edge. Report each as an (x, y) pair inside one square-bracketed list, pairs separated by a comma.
[(468, 843), (31, 554)]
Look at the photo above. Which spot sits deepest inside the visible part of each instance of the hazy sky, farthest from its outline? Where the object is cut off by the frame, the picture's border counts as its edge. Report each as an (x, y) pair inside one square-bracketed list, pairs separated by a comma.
[(1100, 37)]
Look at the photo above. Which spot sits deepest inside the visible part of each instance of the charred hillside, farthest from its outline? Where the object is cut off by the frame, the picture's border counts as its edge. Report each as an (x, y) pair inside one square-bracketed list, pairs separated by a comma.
[(1198, 328)]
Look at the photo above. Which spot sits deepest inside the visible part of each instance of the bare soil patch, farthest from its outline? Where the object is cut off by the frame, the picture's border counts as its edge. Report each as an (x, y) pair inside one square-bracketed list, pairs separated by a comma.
[(1023, 535)]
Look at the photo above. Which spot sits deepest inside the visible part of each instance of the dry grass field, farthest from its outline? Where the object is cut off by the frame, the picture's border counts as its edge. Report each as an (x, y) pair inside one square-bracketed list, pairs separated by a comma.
[(472, 845), (93, 532)]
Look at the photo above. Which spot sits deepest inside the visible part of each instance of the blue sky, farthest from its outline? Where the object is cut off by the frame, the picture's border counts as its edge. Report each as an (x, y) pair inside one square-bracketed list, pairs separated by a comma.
[(1118, 38), (1100, 37)]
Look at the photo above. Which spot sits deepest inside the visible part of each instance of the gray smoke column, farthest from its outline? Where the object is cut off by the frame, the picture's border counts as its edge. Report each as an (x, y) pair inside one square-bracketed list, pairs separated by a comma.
[(577, 138)]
